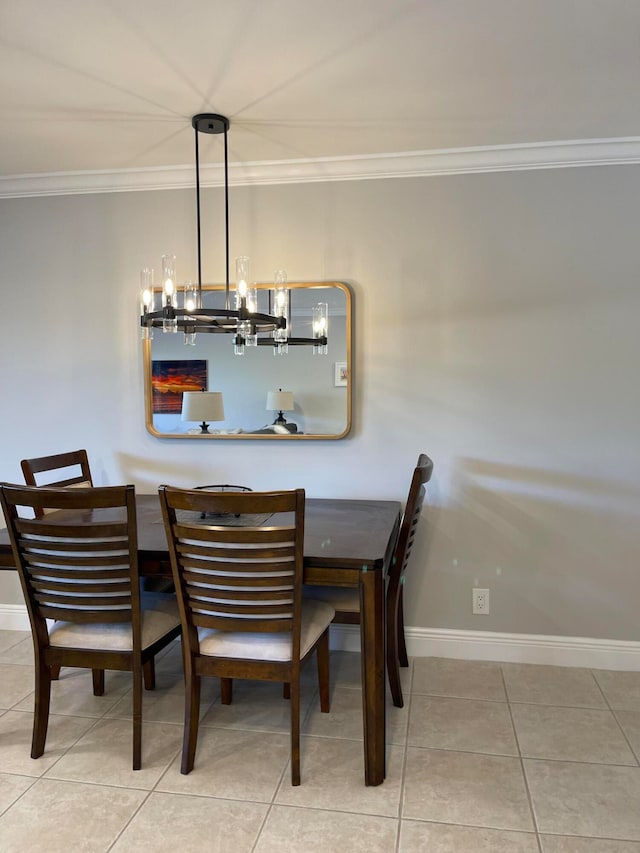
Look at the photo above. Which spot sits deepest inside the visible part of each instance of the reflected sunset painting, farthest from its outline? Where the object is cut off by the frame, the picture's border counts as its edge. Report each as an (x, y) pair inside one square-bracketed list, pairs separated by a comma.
[(169, 379)]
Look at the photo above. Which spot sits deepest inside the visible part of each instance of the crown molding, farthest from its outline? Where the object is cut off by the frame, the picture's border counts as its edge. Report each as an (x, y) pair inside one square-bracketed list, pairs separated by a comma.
[(410, 164)]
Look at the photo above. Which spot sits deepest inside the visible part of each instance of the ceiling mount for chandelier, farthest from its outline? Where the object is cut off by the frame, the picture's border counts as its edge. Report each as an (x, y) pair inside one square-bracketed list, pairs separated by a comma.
[(188, 311)]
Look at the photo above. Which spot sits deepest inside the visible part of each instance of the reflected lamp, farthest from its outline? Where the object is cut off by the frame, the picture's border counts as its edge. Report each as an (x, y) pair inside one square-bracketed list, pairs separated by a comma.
[(203, 406), (280, 401)]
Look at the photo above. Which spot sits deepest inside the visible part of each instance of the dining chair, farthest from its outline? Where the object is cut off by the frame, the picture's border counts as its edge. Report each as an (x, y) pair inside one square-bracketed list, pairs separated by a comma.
[(239, 589), (346, 602), (76, 459), (73, 459), (79, 567)]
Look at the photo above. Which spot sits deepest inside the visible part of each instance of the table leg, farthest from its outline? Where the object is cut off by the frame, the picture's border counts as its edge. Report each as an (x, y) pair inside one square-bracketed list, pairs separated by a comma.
[(372, 644)]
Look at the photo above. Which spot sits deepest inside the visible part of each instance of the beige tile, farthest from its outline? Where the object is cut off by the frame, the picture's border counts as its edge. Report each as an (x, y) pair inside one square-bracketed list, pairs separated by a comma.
[(333, 779), (165, 704), (16, 682), (104, 755), (346, 671), (419, 837), (474, 725), (63, 816), (72, 693), (259, 706), (236, 765), (552, 685), (458, 678), (9, 639), (21, 653), (175, 823), (570, 734), (622, 689), (630, 722), (345, 718), (463, 787), (12, 787), (291, 830), (564, 844), (595, 800), (170, 658), (15, 741)]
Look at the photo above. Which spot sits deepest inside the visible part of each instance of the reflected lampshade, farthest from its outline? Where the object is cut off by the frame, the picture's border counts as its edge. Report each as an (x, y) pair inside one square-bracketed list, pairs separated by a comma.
[(280, 401), (204, 406)]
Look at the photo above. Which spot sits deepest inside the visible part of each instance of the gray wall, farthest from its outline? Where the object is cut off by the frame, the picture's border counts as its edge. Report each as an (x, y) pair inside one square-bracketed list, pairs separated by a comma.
[(496, 329)]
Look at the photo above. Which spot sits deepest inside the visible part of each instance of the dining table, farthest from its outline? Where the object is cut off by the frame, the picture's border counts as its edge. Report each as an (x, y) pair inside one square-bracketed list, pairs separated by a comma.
[(347, 543)]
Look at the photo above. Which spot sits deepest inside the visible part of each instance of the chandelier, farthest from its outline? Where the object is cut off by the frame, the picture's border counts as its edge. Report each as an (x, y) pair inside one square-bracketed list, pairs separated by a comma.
[(188, 311)]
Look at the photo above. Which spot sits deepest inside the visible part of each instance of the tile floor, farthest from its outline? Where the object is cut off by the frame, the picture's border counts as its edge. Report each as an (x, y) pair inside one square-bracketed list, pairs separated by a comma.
[(484, 757)]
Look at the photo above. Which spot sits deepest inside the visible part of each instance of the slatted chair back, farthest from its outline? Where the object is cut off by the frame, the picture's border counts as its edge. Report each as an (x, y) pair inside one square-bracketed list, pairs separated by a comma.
[(415, 500), (396, 644), (76, 571), (235, 577), (74, 463)]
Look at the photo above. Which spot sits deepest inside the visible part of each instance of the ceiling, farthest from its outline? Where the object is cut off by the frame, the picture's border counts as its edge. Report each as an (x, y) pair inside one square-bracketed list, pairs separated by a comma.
[(112, 84)]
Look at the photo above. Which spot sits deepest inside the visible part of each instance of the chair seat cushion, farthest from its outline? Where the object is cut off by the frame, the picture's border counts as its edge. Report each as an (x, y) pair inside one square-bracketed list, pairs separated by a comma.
[(342, 600), (316, 618), (159, 616)]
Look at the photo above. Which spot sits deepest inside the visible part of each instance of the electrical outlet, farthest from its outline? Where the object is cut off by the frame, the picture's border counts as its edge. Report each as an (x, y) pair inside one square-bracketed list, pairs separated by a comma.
[(480, 601)]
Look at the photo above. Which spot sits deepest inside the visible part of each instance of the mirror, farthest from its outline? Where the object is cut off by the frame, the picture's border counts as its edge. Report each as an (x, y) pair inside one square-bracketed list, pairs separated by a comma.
[(318, 405)]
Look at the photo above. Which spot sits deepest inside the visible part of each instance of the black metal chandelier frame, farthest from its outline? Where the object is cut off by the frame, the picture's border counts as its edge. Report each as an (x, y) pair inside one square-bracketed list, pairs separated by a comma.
[(225, 320)]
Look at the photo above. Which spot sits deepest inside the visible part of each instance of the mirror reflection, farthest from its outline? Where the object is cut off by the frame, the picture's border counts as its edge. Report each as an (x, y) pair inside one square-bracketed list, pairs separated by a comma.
[(260, 394)]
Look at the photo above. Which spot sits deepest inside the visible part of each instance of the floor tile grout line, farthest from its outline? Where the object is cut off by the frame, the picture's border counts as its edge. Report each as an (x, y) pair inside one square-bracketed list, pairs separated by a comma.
[(522, 768), (405, 753), (131, 818), (271, 804), (635, 754), (513, 756), (20, 796), (615, 717)]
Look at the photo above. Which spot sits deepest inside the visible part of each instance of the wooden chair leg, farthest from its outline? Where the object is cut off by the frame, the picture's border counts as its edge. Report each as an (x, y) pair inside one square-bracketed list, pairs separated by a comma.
[(191, 720), (286, 690), (98, 681), (149, 674), (137, 715), (226, 691), (322, 652), (393, 668), (295, 732), (41, 709), (55, 672), (402, 649)]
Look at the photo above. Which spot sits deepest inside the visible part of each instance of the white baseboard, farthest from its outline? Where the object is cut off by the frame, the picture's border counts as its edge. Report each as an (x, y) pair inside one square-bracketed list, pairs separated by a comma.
[(463, 645), (514, 648)]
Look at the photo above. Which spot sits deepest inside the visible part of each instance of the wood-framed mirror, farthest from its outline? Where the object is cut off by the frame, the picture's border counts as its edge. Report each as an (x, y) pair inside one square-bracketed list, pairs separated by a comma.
[(319, 386)]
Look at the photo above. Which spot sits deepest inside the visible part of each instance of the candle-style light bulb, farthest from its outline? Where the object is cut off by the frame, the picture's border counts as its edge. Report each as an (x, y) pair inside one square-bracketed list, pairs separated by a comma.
[(146, 300), (169, 321), (242, 279), (320, 327), (281, 309)]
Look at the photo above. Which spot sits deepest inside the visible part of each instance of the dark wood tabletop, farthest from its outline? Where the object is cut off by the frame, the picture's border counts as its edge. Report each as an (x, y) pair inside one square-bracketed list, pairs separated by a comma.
[(339, 534)]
